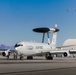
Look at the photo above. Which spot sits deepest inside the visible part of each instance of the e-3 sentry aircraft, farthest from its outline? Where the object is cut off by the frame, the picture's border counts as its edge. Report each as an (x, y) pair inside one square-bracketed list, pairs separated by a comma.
[(31, 49)]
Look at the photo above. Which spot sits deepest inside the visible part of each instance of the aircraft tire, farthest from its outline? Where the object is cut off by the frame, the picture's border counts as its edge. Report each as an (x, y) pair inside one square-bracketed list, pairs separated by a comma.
[(29, 57), (7, 57), (49, 57), (21, 57)]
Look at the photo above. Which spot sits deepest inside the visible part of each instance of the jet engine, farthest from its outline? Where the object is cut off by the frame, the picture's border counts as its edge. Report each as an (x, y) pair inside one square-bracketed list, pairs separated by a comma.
[(6, 53), (65, 54)]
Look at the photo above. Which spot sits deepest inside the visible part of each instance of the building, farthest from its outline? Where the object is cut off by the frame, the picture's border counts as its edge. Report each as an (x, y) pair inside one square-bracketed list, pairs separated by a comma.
[(71, 42)]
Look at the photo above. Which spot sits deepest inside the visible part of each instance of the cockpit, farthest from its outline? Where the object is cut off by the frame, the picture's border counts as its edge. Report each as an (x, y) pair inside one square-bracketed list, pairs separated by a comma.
[(18, 45)]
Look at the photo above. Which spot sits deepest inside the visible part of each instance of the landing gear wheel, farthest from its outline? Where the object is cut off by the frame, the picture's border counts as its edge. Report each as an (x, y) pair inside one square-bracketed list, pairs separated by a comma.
[(21, 57), (49, 56), (8, 55), (29, 57), (15, 56)]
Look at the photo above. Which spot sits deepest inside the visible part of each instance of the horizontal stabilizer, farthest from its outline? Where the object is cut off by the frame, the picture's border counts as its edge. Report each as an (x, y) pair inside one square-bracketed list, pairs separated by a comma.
[(59, 47)]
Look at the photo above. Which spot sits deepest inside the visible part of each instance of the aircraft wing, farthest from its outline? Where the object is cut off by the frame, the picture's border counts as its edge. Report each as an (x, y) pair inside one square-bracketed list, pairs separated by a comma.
[(66, 46), (10, 50), (64, 49), (6, 52), (58, 51)]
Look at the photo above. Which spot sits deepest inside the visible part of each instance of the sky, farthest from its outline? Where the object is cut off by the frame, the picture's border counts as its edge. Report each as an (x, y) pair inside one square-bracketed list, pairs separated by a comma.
[(19, 17)]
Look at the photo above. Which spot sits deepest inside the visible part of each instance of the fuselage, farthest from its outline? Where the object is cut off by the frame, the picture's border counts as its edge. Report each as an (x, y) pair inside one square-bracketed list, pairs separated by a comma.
[(33, 48)]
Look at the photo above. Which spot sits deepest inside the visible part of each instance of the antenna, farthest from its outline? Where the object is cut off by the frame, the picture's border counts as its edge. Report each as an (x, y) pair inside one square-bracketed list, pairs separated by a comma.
[(44, 30), (43, 37)]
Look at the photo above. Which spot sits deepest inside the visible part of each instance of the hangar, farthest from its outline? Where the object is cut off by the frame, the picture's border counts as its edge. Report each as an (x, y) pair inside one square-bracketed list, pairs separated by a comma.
[(71, 42)]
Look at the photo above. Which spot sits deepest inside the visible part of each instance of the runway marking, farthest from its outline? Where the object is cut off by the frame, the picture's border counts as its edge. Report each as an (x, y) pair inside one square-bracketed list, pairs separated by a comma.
[(31, 62), (38, 70)]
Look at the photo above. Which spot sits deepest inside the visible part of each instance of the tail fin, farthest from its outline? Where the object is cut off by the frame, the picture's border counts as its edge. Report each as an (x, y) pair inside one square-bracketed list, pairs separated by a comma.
[(54, 38), (54, 35)]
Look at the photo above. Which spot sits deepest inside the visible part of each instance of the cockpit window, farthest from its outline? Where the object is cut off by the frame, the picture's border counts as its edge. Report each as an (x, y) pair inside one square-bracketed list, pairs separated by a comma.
[(17, 45)]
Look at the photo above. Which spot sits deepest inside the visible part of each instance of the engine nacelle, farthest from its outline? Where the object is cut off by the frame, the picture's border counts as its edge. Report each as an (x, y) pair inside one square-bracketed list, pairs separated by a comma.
[(6, 53), (65, 54)]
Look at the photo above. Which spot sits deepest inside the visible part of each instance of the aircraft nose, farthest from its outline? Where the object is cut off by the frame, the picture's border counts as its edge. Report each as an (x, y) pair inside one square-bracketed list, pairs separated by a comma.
[(18, 45), (15, 46)]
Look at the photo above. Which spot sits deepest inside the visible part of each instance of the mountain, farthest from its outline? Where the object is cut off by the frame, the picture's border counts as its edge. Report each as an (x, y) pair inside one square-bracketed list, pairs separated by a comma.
[(2, 46)]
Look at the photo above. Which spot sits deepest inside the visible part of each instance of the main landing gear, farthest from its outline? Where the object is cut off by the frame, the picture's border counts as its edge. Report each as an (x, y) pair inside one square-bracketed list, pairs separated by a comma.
[(49, 56), (29, 57), (21, 57)]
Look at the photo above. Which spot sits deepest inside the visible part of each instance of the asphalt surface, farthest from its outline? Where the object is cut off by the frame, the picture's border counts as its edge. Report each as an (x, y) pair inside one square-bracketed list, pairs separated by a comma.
[(40, 66)]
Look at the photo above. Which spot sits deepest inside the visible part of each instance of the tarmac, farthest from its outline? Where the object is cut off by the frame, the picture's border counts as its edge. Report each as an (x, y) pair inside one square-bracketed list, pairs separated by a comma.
[(38, 66)]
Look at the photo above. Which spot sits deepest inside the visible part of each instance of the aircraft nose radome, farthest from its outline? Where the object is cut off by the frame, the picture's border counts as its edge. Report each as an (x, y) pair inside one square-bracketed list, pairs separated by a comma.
[(14, 47)]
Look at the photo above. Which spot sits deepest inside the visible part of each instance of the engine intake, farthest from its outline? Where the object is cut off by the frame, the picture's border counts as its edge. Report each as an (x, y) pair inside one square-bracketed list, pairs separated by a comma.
[(6, 53), (65, 54), (3, 53)]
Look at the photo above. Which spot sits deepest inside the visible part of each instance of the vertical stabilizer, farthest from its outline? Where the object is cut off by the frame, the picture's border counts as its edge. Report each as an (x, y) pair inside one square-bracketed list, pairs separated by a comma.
[(54, 38), (48, 39)]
